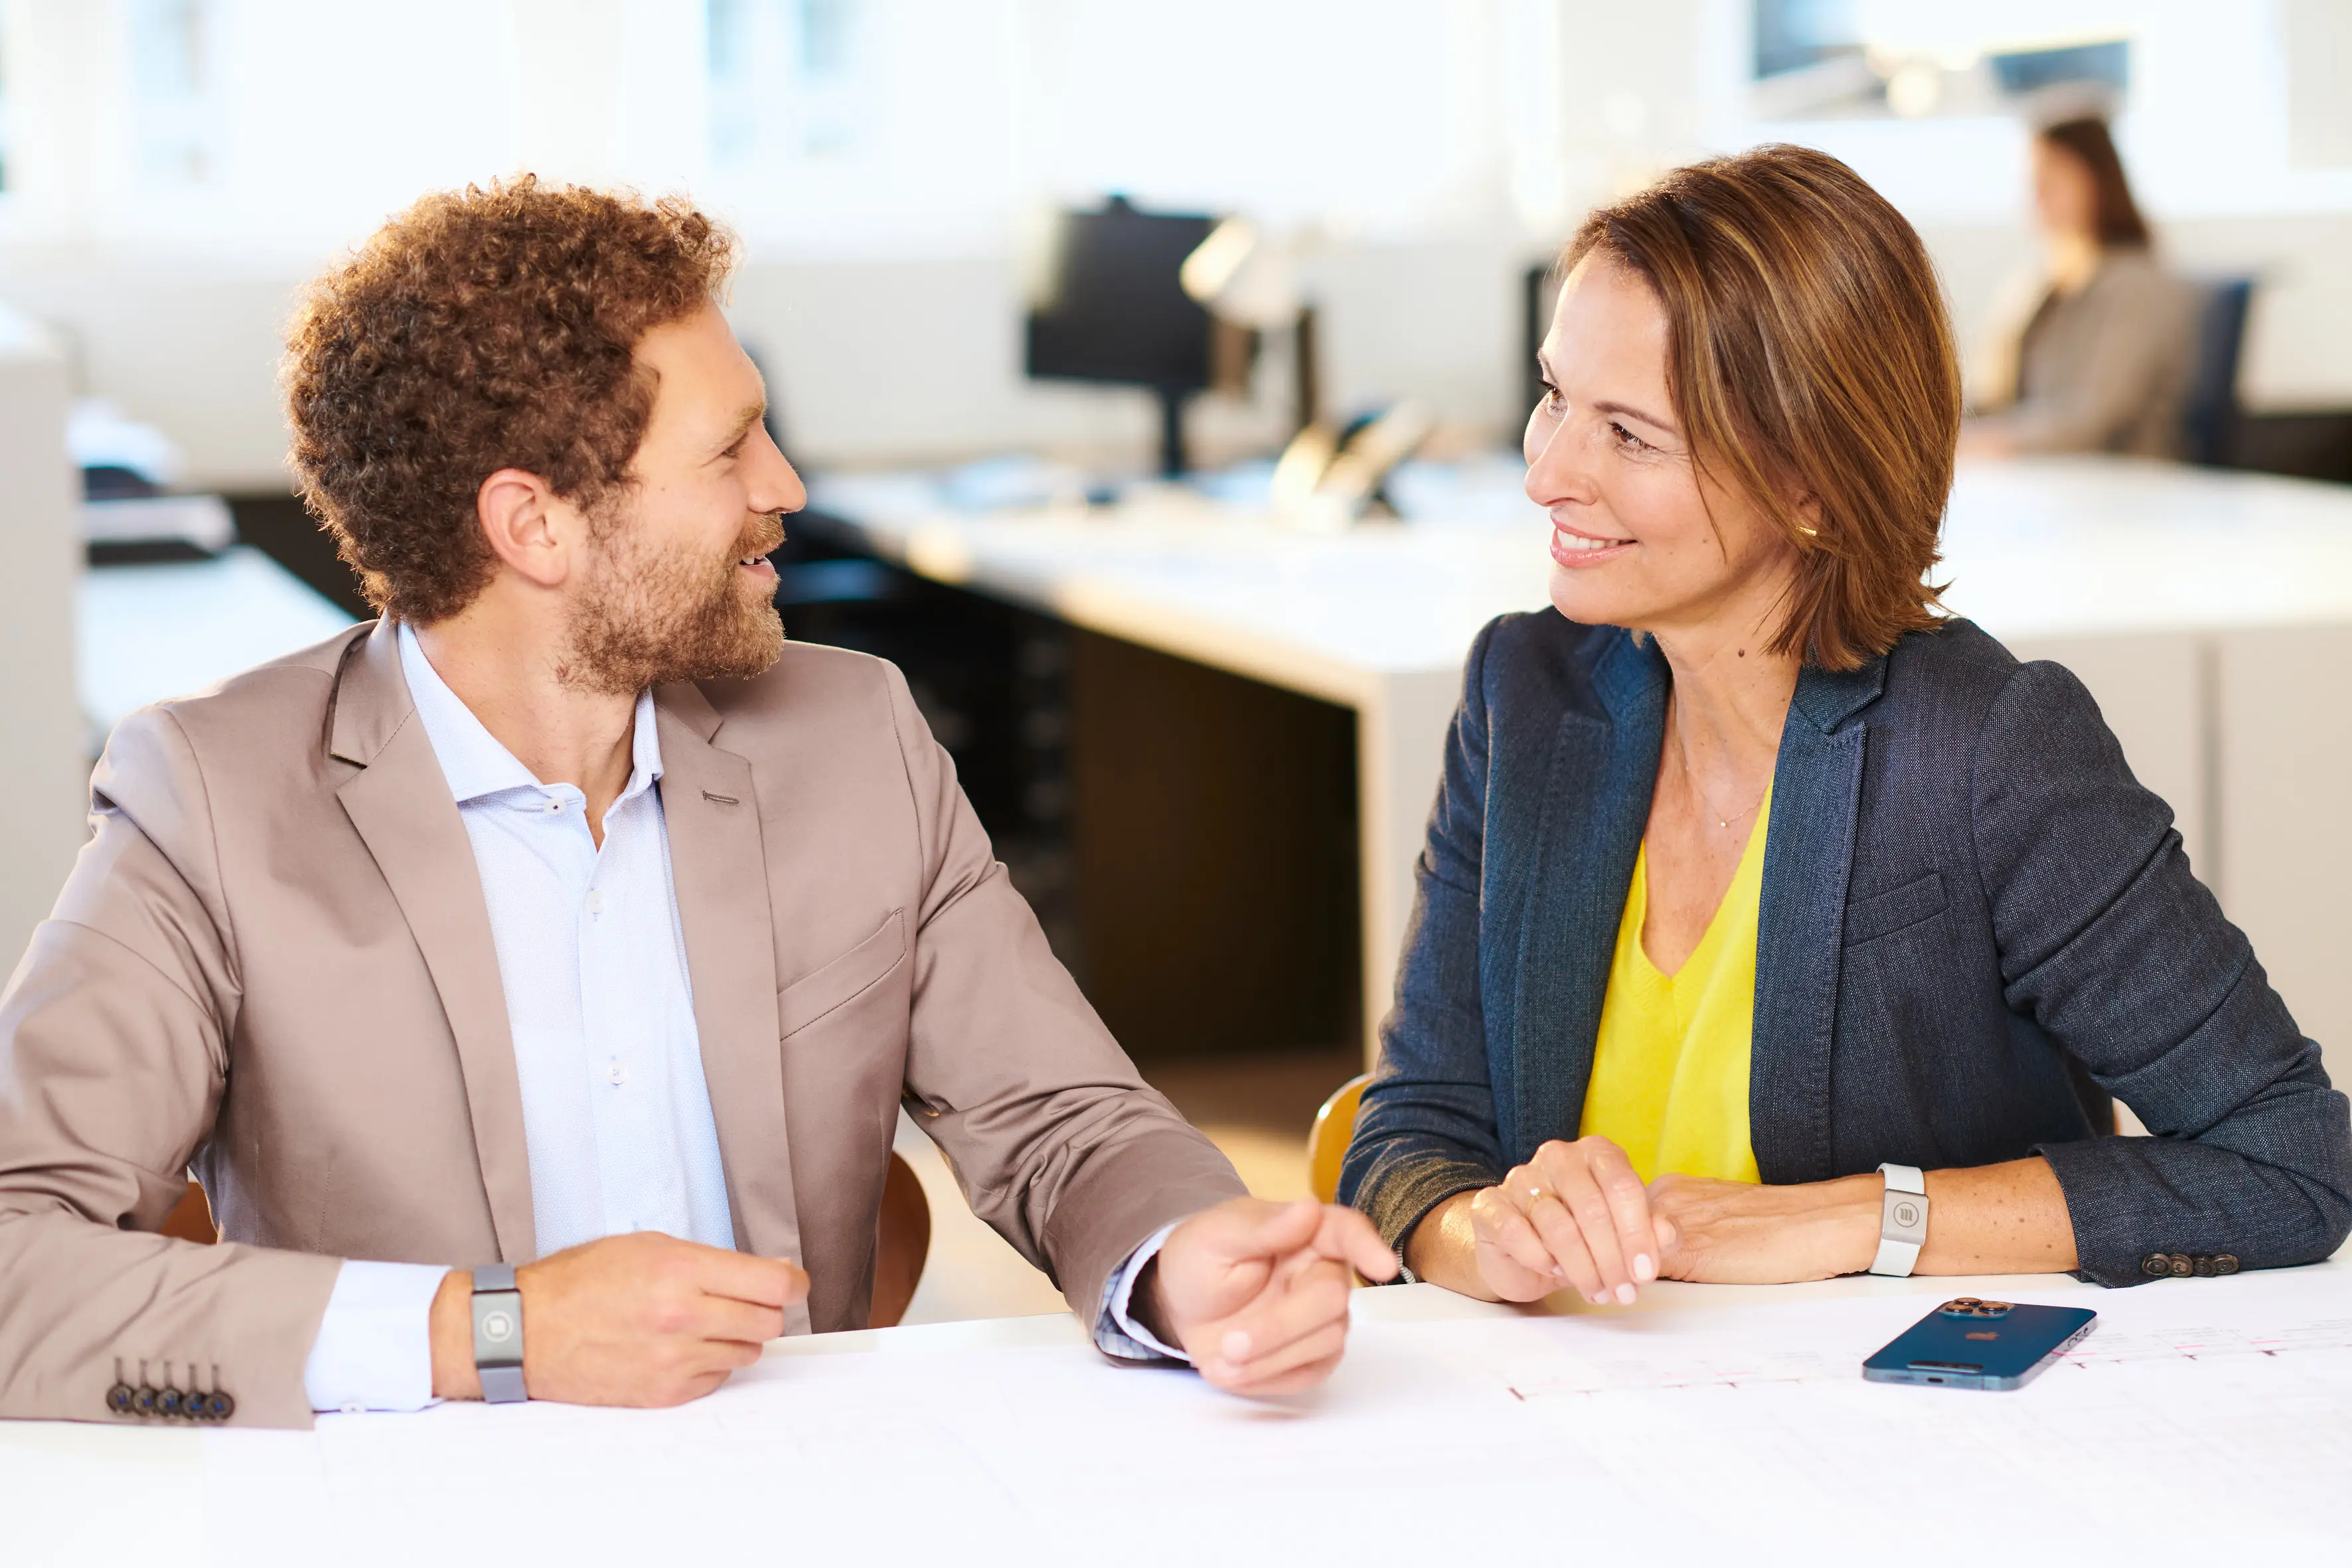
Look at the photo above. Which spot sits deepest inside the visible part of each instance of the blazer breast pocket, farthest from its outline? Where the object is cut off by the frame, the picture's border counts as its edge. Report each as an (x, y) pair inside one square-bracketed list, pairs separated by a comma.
[(844, 979), (1898, 909)]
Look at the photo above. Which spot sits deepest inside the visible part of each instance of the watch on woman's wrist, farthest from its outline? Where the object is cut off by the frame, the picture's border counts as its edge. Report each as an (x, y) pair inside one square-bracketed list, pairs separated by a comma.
[(1902, 1220), (498, 1333)]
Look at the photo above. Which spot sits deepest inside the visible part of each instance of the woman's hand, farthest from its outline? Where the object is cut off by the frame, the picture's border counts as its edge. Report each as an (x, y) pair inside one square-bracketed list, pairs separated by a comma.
[(1737, 1233), (1574, 1215)]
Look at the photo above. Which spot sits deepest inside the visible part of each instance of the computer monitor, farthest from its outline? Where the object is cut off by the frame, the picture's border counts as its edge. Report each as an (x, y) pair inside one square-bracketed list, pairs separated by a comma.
[(1113, 310)]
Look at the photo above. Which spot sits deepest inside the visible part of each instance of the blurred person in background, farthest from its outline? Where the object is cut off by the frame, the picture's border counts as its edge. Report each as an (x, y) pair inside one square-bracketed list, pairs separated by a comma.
[(2093, 350)]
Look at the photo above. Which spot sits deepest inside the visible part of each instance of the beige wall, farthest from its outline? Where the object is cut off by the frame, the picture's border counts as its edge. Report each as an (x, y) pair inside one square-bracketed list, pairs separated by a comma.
[(2284, 783), (920, 360), (2247, 735), (875, 362), (42, 766)]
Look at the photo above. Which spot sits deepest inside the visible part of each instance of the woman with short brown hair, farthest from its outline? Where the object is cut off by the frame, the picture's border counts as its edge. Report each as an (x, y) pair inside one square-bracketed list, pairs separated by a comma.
[(1772, 925)]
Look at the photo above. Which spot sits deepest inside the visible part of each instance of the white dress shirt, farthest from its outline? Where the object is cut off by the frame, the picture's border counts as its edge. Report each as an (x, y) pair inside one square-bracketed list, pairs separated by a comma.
[(617, 1113)]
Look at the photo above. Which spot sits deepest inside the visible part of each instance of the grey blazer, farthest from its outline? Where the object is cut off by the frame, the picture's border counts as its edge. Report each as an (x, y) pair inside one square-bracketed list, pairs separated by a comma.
[(2108, 368), (1970, 906)]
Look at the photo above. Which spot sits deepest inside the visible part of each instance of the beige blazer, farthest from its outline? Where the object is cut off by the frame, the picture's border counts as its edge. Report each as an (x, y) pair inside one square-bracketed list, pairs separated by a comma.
[(273, 960)]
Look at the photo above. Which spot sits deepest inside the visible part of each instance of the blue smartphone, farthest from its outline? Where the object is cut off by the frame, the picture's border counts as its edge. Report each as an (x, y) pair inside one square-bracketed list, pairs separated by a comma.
[(1969, 1343)]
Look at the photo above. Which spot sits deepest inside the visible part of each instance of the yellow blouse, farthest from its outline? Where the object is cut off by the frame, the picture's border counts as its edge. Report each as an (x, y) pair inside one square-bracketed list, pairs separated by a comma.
[(1670, 1070)]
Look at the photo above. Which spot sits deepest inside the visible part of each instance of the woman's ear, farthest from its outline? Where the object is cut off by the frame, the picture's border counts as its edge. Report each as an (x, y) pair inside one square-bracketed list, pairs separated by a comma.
[(1808, 513), (529, 527)]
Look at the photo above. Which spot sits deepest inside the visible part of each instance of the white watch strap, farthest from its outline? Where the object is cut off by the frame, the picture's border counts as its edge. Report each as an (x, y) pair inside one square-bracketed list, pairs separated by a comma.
[(1903, 1224)]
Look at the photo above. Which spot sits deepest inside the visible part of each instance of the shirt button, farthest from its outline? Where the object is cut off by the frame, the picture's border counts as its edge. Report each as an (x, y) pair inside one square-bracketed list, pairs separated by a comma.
[(619, 1075), (595, 902)]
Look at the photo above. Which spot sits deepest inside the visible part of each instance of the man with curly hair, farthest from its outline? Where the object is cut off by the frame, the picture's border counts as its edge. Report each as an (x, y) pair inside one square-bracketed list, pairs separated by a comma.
[(533, 975)]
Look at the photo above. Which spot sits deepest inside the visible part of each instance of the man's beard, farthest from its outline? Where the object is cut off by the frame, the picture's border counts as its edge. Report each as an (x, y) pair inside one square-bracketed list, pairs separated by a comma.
[(646, 616)]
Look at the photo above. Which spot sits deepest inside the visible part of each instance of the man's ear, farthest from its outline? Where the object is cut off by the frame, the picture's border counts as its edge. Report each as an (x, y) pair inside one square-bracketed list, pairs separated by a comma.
[(530, 528)]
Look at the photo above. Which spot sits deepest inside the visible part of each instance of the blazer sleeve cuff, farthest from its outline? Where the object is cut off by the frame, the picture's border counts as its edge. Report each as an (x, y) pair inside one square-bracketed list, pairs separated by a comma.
[(1118, 1333), (1158, 1180), (2135, 1200), (2099, 1207), (1402, 1198)]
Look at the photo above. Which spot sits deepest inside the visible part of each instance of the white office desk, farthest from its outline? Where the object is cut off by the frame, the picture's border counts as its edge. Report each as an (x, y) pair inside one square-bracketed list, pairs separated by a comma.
[(2211, 612), (1711, 1424), (170, 628)]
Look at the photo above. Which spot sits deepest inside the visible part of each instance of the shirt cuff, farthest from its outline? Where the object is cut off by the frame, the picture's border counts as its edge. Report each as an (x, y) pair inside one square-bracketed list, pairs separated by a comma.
[(374, 1348), (1117, 1333)]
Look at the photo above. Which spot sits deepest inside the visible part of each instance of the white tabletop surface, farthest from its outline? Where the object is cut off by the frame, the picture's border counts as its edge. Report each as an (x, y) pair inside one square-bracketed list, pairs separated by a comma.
[(170, 628), (2038, 547), (1709, 1424)]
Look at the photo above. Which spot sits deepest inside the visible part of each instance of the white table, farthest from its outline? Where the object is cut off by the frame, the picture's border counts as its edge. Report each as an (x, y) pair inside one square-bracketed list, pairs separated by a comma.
[(169, 629), (2211, 612), (1710, 1425)]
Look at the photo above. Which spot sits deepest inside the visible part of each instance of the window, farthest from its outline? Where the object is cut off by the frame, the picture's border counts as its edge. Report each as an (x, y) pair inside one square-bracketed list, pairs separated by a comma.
[(1792, 35), (1852, 58), (173, 57), (786, 80), (6, 115)]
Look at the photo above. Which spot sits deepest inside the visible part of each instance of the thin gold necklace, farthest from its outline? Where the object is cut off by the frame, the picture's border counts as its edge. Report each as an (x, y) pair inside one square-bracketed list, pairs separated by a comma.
[(1721, 821)]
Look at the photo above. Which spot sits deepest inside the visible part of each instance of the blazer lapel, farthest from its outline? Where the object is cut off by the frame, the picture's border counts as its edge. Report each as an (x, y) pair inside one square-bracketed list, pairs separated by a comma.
[(1596, 801), (718, 864), (400, 803), (1808, 861)]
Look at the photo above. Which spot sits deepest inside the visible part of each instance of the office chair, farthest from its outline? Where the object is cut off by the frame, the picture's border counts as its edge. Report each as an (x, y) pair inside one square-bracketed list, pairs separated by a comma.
[(1327, 1141), (2209, 415), (901, 1245)]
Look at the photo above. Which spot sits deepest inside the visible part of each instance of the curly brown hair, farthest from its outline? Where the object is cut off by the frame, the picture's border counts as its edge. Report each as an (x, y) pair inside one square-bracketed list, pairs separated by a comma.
[(482, 330)]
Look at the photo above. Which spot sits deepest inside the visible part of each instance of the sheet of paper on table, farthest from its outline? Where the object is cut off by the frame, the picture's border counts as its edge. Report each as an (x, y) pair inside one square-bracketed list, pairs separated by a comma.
[(2278, 1312), (2203, 1413)]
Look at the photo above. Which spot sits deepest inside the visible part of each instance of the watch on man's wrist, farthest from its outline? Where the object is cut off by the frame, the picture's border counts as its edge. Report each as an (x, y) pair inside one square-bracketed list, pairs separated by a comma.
[(1902, 1220), (498, 1333)]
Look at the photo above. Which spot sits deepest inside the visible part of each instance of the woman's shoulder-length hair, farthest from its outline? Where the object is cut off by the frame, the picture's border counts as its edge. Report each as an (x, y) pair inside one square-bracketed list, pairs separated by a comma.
[(2116, 218), (1810, 363)]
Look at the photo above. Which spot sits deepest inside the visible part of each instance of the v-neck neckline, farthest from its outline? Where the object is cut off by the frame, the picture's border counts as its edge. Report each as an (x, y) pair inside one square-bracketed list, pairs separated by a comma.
[(1712, 937)]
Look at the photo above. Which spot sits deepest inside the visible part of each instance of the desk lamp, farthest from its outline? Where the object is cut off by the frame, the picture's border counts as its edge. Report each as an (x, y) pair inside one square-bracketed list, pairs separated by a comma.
[(1327, 475)]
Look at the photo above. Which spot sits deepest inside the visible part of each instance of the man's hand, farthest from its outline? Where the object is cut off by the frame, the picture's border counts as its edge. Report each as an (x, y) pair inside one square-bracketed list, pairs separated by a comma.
[(642, 1319), (1256, 1293)]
